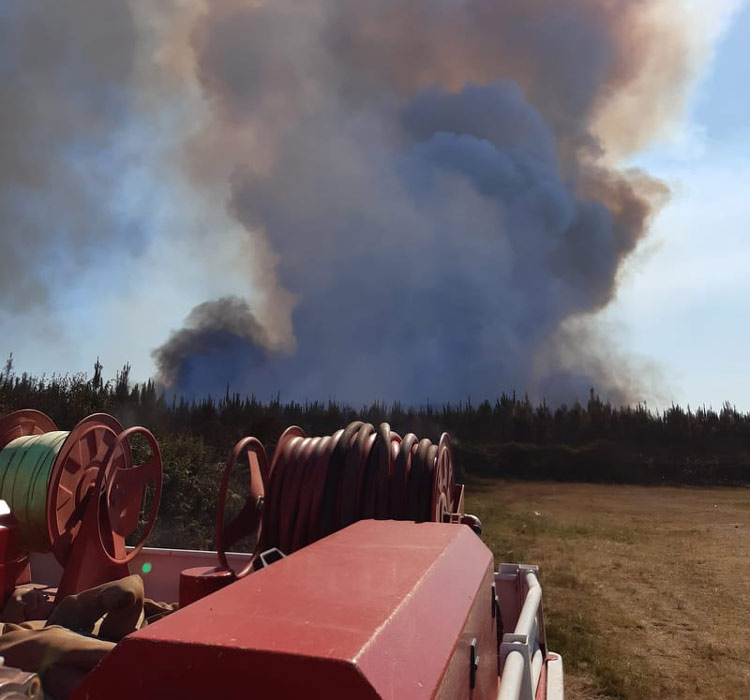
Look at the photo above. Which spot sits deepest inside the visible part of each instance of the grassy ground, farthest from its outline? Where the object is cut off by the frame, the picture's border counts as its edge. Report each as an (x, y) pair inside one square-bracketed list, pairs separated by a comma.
[(646, 589)]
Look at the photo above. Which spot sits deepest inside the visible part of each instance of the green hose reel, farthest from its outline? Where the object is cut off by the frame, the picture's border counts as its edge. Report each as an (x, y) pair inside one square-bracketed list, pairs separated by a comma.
[(78, 494), (25, 468)]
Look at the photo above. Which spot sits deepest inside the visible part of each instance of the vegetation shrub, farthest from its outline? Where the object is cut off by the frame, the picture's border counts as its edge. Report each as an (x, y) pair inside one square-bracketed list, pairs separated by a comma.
[(510, 438)]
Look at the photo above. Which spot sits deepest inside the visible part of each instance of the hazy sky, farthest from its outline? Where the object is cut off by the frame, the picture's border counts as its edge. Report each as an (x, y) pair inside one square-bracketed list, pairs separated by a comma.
[(682, 310), (684, 301)]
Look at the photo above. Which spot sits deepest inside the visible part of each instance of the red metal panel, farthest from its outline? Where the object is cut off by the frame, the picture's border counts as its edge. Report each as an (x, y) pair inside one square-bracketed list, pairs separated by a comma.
[(14, 564), (481, 626), (381, 609), (200, 581)]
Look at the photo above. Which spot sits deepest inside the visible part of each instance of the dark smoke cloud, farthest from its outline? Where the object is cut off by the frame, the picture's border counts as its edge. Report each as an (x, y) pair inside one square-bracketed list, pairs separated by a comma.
[(431, 177), (427, 192), (210, 331)]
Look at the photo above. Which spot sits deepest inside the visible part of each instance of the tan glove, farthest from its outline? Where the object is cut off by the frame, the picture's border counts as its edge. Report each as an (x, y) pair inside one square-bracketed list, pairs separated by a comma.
[(62, 658), (119, 602), (154, 610), (29, 601)]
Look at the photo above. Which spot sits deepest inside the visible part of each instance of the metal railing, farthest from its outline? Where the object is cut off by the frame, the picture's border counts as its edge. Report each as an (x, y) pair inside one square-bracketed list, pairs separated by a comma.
[(522, 651)]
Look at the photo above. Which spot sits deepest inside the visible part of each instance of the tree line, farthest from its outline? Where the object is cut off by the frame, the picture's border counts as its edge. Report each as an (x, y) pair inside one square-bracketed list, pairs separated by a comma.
[(512, 436)]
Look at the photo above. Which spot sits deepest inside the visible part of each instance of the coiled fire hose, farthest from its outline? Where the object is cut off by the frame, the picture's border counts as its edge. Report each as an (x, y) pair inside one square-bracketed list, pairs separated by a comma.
[(25, 468), (318, 485)]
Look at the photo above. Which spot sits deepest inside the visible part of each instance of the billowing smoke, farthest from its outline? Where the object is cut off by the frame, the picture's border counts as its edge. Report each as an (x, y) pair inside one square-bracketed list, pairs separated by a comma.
[(64, 72), (429, 174), (211, 329), (428, 191)]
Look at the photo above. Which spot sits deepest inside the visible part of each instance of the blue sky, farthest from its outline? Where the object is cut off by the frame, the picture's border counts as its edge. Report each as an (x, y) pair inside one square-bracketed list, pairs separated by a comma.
[(684, 299)]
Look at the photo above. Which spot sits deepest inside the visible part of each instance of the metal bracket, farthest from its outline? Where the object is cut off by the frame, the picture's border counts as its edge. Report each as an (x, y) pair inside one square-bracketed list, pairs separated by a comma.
[(464, 519), (519, 643), (267, 558), (15, 683), (473, 663)]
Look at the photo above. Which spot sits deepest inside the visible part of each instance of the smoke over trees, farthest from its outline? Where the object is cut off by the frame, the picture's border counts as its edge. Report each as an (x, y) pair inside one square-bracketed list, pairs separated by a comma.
[(381, 200)]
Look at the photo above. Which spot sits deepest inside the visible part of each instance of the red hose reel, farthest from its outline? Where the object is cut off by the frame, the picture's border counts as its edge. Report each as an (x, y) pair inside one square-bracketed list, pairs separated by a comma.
[(197, 582), (317, 485), (94, 495)]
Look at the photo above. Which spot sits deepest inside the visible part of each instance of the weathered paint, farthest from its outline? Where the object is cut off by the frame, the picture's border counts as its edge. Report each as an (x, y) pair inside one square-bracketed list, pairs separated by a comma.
[(381, 609)]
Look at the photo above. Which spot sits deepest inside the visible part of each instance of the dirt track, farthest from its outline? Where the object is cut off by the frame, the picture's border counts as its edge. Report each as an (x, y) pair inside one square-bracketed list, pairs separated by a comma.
[(647, 590)]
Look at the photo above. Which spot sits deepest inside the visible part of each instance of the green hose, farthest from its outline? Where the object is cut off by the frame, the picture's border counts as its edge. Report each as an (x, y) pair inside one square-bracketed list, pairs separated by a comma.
[(25, 468)]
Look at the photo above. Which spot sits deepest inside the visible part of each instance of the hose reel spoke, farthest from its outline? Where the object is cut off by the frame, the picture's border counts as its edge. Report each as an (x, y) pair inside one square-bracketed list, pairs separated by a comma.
[(127, 491), (73, 478), (248, 521), (240, 526), (124, 487)]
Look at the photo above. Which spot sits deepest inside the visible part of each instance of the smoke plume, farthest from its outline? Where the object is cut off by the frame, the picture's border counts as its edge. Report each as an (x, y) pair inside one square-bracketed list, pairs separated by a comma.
[(65, 68), (382, 200), (209, 331)]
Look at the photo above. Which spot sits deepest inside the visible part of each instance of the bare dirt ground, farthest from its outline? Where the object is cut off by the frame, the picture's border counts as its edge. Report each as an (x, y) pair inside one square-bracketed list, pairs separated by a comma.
[(646, 589)]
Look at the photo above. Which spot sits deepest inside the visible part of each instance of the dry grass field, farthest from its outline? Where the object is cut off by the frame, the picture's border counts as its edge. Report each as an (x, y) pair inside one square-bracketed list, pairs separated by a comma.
[(646, 589)]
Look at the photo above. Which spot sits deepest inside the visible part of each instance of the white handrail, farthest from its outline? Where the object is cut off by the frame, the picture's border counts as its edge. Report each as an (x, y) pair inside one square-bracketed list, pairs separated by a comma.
[(512, 680), (523, 655), (528, 616)]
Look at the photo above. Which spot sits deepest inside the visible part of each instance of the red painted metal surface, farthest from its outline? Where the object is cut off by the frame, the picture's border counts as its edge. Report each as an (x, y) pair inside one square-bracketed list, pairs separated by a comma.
[(200, 581), (363, 613), (444, 482), (14, 563), (93, 468), (247, 522), (541, 686), (71, 482), (24, 422), (111, 514)]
